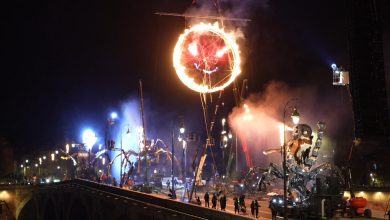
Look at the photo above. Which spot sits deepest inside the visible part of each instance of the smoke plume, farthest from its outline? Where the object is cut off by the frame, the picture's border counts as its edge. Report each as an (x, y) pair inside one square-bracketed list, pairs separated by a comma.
[(259, 118)]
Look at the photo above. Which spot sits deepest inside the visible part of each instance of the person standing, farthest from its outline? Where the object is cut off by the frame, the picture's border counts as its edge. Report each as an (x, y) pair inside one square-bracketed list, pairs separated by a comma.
[(242, 203), (257, 206), (253, 208), (222, 202), (114, 183), (207, 200), (168, 184), (214, 201), (236, 205)]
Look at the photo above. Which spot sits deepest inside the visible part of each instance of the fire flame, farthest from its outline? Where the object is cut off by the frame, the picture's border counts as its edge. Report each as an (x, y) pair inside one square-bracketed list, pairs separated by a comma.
[(193, 49), (207, 61)]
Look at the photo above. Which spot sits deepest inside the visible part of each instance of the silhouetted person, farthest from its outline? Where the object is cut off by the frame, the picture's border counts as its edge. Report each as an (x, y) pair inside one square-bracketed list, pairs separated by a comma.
[(242, 203), (172, 194), (114, 183), (236, 205), (253, 208), (214, 201), (222, 202), (206, 199), (257, 206), (168, 184)]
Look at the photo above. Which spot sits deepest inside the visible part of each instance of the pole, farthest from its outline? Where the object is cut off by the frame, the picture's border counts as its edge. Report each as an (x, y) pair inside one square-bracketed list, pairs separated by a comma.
[(172, 169), (144, 133), (185, 164), (121, 171), (284, 165)]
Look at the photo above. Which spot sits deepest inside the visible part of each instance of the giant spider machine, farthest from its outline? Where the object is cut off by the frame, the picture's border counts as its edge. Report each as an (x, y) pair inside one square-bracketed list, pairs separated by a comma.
[(311, 190)]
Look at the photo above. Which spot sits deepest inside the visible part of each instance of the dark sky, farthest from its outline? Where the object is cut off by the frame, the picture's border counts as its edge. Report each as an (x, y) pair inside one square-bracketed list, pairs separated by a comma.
[(69, 63)]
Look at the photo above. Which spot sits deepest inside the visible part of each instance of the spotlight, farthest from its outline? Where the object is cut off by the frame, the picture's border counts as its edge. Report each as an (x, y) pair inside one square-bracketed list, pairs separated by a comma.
[(89, 138), (114, 115)]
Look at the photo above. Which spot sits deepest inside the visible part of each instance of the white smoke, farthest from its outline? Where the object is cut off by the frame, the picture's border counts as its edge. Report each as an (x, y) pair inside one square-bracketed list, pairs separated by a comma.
[(259, 117)]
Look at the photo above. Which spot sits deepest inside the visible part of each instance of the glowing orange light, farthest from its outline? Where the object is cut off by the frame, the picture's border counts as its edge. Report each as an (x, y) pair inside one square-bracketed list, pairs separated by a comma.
[(206, 58), (222, 52), (193, 49)]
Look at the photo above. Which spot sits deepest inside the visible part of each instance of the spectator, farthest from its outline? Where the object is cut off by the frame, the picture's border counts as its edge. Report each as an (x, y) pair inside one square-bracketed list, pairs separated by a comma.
[(114, 183), (214, 201), (253, 208), (222, 202), (236, 205), (168, 184), (242, 203), (257, 206), (207, 200)]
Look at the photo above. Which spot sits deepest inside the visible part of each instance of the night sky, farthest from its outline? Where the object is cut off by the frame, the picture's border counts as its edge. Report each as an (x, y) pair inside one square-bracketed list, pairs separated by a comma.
[(69, 63)]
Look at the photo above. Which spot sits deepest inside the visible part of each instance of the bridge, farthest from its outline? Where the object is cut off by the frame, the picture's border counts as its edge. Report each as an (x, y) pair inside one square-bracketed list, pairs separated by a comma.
[(82, 199)]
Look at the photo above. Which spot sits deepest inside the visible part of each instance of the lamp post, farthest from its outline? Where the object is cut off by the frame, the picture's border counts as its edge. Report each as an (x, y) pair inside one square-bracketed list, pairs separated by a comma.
[(121, 163), (108, 139), (182, 130), (295, 118), (224, 140), (172, 169)]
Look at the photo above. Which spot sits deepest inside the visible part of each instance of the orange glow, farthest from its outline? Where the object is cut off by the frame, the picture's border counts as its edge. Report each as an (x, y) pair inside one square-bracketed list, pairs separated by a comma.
[(4, 195), (193, 49), (221, 52), (212, 51)]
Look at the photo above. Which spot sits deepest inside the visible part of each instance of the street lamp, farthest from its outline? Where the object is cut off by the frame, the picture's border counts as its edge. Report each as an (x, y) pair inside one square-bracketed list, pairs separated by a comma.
[(108, 138), (172, 168), (295, 118), (182, 139), (24, 169), (114, 115), (182, 129)]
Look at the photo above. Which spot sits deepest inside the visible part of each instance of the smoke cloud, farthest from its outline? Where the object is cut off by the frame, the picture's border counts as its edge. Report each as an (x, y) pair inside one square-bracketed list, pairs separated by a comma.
[(259, 118), (226, 8)]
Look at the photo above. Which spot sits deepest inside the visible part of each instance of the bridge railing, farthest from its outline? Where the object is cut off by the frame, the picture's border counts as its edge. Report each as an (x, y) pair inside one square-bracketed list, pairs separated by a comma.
[(191, 209)]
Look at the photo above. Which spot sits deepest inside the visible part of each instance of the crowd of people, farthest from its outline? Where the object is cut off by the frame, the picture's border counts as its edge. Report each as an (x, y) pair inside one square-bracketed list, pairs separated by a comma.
[(214, 200), (239, 203)]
